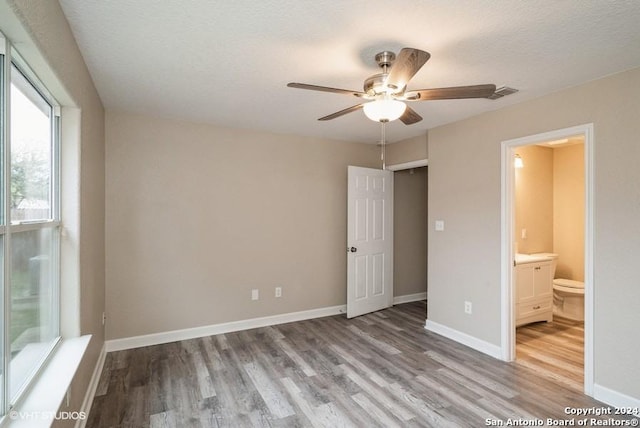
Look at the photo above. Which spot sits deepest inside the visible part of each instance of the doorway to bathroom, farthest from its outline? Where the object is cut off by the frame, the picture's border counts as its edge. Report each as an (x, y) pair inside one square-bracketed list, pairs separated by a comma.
[(547, 280)]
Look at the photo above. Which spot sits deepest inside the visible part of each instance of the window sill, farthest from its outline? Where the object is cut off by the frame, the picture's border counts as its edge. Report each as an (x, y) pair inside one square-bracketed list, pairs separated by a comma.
[(41, 403), (31, 356)]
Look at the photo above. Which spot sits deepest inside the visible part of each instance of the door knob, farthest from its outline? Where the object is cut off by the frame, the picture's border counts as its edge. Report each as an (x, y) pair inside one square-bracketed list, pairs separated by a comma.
[(353, 249)]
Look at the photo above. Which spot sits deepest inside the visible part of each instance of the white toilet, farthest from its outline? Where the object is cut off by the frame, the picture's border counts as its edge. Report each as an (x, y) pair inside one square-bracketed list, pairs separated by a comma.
[(568, 299), (568, 295)]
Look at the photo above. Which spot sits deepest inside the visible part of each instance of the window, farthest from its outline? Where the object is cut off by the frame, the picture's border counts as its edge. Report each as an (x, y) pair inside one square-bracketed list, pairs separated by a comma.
[(29, 226)]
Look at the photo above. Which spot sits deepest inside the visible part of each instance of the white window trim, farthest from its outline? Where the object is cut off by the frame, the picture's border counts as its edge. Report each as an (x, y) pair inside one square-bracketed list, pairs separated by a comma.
[(26, 76)]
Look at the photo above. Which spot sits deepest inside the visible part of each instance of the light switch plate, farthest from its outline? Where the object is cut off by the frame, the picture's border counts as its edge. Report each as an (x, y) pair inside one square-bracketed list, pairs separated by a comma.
[(439, 225), (468, 308)]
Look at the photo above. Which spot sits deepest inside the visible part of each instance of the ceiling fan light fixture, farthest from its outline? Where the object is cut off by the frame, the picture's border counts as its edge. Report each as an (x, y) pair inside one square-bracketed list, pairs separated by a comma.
[(384, 109), (384, 93)]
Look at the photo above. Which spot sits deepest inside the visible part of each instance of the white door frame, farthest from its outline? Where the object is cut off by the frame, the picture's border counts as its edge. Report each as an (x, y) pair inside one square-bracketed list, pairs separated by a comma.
[(508, 343), (408, 165)]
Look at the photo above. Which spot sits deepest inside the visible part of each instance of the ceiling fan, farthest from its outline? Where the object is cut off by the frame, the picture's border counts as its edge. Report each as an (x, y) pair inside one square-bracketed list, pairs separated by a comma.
[(387, 92)]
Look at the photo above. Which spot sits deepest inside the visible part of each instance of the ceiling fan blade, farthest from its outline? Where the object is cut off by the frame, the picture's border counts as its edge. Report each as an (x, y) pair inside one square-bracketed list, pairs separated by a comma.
[(457, 92), (410, 116), (325, 89), (342, 112), (405, 66)]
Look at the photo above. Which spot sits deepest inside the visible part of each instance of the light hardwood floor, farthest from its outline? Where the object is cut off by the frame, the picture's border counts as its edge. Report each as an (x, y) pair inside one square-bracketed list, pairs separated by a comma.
[(554, 350), (379, 370)]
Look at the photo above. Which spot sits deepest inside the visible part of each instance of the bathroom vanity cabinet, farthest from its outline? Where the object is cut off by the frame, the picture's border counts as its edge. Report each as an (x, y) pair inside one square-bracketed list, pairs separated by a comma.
[(534, 292)]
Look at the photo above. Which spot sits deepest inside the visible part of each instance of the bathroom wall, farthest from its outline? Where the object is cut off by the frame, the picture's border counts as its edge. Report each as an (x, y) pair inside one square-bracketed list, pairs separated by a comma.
[(534, 200), (568, 210), (550, 205)]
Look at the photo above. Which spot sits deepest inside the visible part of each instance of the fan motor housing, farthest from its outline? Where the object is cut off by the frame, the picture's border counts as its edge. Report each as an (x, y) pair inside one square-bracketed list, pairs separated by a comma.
[(376, 84)]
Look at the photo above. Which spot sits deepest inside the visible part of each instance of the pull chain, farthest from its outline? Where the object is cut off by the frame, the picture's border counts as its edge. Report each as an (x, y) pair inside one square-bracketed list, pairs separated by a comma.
[(382, 144)]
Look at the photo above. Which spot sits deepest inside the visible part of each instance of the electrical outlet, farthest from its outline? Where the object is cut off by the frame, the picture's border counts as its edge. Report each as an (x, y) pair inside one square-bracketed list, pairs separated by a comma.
[(439, 225), (468, 308), (278, 291), (255, 294)]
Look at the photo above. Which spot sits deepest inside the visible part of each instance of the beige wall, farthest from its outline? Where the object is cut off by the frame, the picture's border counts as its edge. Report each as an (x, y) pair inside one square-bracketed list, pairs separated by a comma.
[(410, 149), (568, 211), (198, 216), (534, 200), (464, 190), (410, 231), (51, 50)]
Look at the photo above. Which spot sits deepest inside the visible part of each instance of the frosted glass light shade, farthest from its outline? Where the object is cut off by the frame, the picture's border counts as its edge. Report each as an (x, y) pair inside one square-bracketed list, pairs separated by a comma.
[(384, 110)]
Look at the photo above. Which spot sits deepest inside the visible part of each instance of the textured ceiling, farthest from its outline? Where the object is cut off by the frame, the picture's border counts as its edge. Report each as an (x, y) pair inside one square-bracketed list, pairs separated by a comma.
[(228, 62)]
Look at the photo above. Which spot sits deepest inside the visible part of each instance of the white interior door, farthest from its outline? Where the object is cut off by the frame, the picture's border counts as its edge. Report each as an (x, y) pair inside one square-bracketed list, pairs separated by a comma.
[(369, 240)]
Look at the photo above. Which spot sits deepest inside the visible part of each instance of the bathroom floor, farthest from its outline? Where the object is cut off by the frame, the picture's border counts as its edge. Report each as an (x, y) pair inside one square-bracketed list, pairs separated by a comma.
[(555, 350)]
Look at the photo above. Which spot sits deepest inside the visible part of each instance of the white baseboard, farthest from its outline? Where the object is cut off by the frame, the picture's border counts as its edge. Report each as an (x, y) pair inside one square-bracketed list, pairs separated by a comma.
[(229, 327), (91, 389), (397, 300), (614, 398), (209, 330), (465, 339)]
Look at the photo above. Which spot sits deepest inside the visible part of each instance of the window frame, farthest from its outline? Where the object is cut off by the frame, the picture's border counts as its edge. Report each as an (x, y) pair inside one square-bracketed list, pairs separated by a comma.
[(10, 59)]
